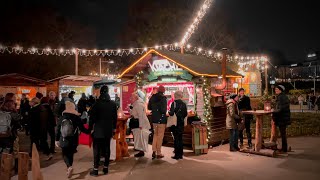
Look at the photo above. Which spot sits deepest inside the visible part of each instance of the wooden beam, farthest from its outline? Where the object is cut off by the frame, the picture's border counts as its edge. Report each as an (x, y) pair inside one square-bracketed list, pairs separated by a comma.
[(23, 165), (6, 166), (36, 173)]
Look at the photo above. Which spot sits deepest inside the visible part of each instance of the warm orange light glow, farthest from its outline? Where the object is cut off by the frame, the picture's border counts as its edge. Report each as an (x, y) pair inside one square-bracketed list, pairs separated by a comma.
[(181, 65)]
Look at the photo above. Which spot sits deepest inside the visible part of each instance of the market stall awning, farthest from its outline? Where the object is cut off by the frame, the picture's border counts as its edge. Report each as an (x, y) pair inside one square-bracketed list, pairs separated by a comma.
[(77, 78), (15, 79), (196, 65)]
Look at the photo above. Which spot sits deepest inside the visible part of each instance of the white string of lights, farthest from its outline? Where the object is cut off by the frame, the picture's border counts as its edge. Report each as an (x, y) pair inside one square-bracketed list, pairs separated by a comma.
[(242, 60), (194, 25)]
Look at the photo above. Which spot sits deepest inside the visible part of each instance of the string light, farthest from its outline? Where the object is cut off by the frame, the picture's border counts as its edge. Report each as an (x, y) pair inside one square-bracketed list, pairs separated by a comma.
[(193, 26)]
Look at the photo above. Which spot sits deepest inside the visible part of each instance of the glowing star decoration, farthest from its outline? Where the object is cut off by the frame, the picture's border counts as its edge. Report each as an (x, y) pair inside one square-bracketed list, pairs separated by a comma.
[(193, 26)]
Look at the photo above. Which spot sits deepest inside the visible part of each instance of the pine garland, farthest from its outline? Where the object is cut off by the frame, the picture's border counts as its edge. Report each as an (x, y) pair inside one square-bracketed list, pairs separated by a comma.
[(207, 114)]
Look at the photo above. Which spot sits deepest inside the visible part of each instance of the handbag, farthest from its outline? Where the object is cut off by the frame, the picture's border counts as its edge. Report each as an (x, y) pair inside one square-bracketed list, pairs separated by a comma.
[(172, 120), (113, 149), (134, 123)]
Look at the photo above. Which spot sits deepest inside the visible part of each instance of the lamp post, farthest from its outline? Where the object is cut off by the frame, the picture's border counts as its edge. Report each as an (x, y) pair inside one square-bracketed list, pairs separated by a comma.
[(272, 82), (235, 86)]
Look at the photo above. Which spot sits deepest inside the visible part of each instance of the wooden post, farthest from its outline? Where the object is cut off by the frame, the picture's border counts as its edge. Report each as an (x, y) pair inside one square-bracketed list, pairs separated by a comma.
[(258, 132), (273, 132), (36, 173), (6, 166), (76, 61), (23, 165)]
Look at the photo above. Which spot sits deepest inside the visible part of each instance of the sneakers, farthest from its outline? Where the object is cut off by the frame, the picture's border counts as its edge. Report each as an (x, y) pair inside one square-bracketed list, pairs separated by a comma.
[(94, 172), (105, 170), (69, 172), (176, 157), (153, 155), (140, 154), (49, 157), (160, 156)]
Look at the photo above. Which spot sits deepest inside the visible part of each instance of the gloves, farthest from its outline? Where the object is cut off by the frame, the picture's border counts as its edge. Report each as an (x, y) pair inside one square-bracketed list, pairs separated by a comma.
[(57, 143)]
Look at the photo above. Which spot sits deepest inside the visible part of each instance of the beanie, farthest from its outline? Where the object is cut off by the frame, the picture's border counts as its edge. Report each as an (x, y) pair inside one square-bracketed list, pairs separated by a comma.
[(281, 87)]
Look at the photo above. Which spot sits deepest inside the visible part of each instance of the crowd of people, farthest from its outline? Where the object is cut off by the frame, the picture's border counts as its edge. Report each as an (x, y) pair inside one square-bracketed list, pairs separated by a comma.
[(236, 122)]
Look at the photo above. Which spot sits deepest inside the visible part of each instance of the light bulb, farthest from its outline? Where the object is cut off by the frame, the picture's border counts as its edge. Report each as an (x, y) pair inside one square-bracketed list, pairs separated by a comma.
[(95, 51), (84, 51), (131, 50), (188, 46)]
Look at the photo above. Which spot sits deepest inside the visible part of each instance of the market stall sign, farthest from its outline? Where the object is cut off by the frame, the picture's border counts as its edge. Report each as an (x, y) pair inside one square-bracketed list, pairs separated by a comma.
[(163, 67)]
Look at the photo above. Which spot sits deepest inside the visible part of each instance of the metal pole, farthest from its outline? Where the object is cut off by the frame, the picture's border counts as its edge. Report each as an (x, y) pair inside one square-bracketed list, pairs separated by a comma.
[(100, 67), (266, 76), (76, 62)]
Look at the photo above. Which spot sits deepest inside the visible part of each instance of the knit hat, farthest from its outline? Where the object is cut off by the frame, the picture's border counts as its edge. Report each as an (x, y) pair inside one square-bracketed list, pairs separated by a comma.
[(281, 87), (161, 89), (39, 95), (104, 90), (232, 96), (241, 89), (71, 108)]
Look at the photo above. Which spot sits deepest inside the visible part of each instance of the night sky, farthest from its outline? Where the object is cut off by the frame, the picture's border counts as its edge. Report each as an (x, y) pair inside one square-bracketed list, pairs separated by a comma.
[(287, 26)]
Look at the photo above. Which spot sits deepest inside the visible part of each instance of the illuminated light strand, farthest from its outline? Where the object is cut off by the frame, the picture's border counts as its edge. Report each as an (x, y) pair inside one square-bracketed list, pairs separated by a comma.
[(194, 25), (215, 55)]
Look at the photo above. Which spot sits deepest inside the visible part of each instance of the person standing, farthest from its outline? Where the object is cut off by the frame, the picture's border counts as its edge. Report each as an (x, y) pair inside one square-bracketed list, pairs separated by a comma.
[(82, 104), (34, 123), (24, 112), (67, 132), (158, 106), (47, 124), (232, 120), (117, 101), (245, 105), (300, 100), (281, 115), (138, 112), (179, 108), (71, 95), (103, 122)]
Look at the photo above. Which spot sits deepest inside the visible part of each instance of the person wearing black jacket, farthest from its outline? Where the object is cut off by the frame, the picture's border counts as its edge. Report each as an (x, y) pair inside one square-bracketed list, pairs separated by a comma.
[(24, 112), (68, 144), (34, 123), (103, 122), (158, 106), (281, 115), (245, 105), (179, 108)]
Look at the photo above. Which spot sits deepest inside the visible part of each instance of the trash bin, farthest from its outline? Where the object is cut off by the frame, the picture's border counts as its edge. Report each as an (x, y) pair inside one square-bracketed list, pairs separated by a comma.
[(199, 138)]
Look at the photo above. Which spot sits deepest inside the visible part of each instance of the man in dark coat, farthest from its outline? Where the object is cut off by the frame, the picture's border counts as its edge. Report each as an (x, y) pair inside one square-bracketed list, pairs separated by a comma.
[(281, 114), (24, 112), (158, 106), (103, 122), (245, 105)]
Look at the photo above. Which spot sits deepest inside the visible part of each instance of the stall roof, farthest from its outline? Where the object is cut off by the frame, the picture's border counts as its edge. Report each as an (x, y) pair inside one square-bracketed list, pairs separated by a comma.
[(77, 78), (16, 79), (197, 65)]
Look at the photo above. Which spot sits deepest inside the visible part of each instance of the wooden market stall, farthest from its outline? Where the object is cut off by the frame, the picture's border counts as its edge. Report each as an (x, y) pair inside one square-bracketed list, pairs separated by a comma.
[(20, 84), (185, 72), (67, 83)]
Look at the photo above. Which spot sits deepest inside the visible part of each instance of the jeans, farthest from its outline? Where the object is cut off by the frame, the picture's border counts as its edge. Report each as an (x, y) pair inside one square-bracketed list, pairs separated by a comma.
[(101, 145), (283, 133), (67, 154), (234, 133), (158, 137), (248, 132), (178, 141)]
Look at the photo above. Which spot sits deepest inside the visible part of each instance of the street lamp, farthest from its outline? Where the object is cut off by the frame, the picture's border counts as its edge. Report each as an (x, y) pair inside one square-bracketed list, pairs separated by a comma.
[(272, 82), (235, 86)]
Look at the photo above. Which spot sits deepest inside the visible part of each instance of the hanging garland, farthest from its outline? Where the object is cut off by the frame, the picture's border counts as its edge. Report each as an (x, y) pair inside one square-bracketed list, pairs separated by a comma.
[(139, 79), (207, 114)]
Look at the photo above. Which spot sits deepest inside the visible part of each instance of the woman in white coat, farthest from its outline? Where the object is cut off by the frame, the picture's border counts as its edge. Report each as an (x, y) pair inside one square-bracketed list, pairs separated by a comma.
[(138, 111)]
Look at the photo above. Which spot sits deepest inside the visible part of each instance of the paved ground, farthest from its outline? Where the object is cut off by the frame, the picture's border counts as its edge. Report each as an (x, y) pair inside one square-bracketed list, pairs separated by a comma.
[(219, 163)]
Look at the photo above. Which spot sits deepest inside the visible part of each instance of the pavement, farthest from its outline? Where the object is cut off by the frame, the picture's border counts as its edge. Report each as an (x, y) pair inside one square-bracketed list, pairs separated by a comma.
[(302, 163)]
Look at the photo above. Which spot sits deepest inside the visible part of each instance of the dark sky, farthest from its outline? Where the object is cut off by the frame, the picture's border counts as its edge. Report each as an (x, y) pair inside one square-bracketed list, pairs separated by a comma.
[(288, 26)]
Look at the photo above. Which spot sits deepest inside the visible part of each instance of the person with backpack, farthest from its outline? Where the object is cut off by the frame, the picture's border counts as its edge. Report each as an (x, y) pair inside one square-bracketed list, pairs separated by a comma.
[(158, 106), (103, 122), (67, 134), (9, 124), (179, 108)]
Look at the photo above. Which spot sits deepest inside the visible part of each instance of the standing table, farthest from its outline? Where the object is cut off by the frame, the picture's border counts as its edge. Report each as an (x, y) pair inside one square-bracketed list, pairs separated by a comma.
[(122, 146), (258, 136)]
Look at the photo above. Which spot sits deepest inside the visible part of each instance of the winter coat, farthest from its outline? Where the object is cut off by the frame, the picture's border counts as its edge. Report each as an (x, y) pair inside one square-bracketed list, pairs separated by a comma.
[(103, 117), (47, 120), (281, 113), (245, 105), (139, 112), (77, 125), (82, 105), (34, 121), (158, 106), (232, 114), (24, 107), (179, 108)]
